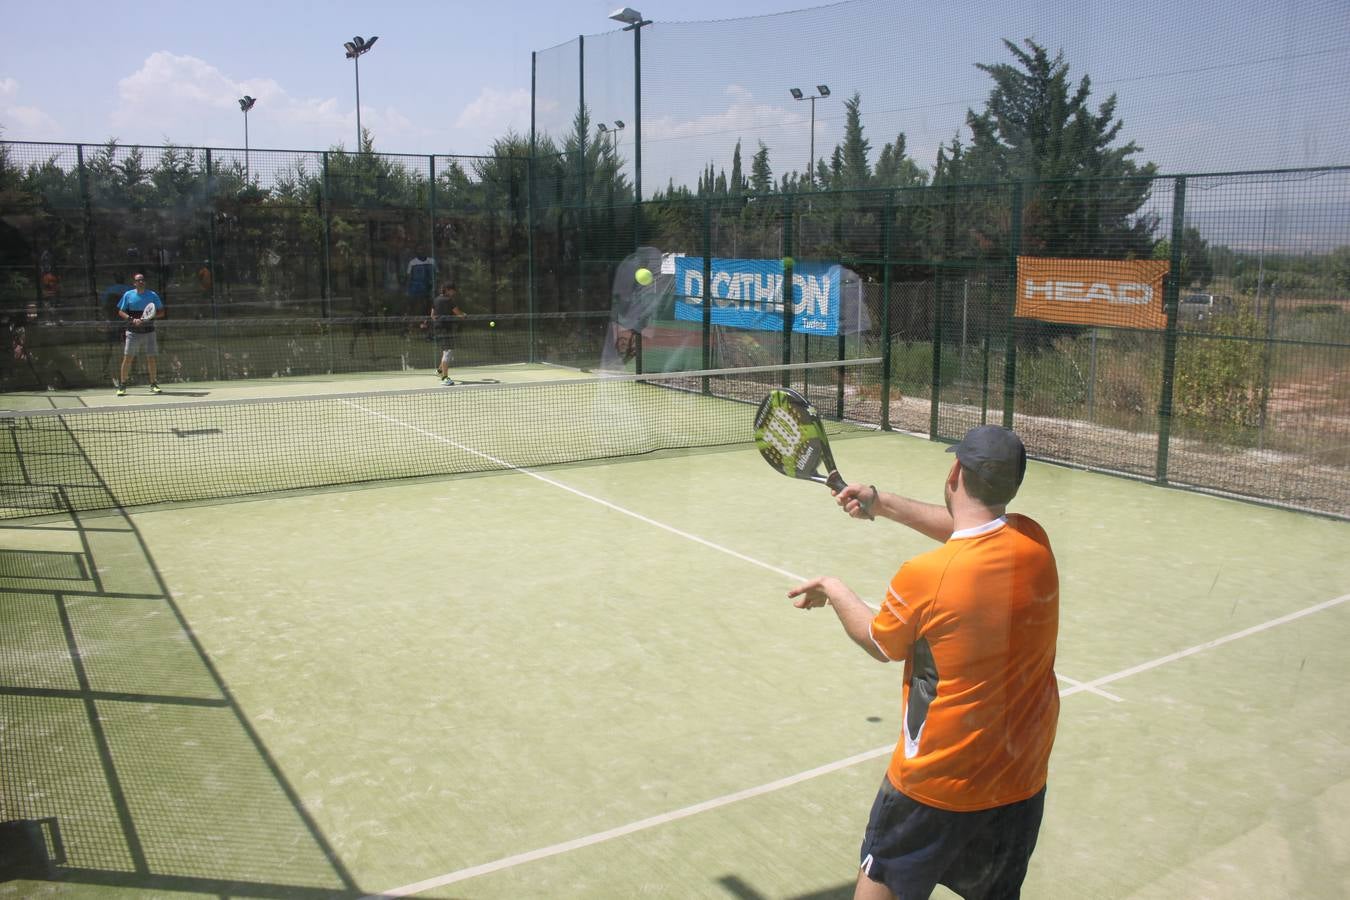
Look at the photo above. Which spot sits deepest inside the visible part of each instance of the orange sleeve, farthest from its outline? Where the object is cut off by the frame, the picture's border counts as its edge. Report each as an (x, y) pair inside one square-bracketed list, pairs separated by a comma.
[(895, 624)]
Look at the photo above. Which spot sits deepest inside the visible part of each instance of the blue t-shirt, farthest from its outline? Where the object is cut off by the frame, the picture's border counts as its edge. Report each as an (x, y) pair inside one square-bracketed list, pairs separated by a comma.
[(133, 303)]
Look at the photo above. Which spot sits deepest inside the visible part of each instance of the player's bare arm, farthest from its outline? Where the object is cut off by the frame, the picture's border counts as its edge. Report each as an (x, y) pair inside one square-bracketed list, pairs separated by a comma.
[(854, 615), (929, 519)]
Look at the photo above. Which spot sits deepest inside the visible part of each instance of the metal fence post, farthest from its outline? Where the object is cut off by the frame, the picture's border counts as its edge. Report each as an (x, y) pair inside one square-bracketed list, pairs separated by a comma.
[(209, 203), (788, 242), (1010, 364), (90, 272), (532, 297), (326, 209), (431, 226), (888, 212), (707, 288), (1171, 289), (935, 389)]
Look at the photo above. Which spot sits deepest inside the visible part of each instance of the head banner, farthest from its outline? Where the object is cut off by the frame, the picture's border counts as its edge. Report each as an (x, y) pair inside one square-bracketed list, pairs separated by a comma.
[(1123, 293)]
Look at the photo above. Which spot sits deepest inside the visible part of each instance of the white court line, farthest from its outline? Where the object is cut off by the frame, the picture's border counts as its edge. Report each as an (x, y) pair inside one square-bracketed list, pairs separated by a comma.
[(1075, 687), (1080, 686), (602, 836), (631, 827), (600, 500), (1207, 645)]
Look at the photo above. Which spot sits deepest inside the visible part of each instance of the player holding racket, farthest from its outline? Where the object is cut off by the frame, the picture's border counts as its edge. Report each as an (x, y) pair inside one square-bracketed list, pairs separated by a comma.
[(140, 332), (444, 310), (975, 622)]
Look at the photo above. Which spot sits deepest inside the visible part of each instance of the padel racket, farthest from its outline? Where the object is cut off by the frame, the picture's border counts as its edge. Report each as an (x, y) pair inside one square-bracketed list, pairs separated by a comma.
[(791, 438), (149, 312)]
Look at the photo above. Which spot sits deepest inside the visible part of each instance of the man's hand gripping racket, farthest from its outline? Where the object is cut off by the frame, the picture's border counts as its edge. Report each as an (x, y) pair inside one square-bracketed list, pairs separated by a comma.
[(792, 439)]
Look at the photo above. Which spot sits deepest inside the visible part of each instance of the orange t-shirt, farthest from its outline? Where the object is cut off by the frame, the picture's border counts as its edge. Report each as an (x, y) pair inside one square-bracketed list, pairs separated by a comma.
[(976, 622)]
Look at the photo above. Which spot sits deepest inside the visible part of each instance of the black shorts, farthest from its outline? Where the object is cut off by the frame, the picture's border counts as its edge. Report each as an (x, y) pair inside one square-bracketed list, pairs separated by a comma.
[(912, 848)]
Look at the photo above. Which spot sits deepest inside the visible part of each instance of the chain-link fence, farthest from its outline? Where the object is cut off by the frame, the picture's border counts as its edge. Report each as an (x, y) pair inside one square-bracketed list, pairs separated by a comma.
[(282, 264)]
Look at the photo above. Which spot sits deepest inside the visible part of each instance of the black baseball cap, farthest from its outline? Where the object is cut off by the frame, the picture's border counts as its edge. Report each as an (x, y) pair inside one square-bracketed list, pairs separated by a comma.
[(996, 454)]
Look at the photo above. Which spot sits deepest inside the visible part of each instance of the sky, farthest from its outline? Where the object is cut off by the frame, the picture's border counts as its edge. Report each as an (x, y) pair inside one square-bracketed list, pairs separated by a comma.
[(1201, 86), (445, 77)]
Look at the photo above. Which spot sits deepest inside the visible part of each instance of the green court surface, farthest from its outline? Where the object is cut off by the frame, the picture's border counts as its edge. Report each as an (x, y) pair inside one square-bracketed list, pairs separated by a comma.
[(587, 681), (138, 391)]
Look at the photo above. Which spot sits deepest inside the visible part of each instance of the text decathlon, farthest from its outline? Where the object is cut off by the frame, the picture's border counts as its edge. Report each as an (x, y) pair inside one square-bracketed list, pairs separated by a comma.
[(1126, 292), (761, 291)]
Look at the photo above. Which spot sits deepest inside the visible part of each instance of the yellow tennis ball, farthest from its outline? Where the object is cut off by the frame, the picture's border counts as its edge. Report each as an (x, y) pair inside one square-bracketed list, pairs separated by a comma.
[(643, 276), (788, 262), (492, 324)]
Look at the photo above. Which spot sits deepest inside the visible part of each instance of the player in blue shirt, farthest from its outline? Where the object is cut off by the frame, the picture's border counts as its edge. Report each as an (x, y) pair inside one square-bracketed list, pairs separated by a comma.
[(140, 336)]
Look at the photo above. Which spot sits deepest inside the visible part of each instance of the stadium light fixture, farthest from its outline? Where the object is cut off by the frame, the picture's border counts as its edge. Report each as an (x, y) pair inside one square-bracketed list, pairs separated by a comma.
[(355, 48), (822, 91), (628, 16), (612, 132), (245, 104)]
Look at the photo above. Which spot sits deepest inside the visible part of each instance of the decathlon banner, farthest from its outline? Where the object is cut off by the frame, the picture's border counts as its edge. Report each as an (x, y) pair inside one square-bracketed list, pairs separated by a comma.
[(1124, 293), (748, 293)]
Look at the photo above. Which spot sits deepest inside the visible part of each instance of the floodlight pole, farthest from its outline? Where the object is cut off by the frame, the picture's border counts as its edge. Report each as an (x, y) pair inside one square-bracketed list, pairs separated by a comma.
[(246, 103), (355, 48), (356, 63), (822, 91), (635, 23)]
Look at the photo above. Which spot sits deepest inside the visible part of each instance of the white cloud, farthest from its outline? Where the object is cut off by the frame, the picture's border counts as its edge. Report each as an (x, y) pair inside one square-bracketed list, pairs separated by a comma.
[(25, 123), (491, 114), (191, 101)]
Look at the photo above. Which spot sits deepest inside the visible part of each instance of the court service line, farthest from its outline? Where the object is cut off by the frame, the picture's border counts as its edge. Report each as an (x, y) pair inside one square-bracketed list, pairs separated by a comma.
[(632, 827), (580, 493), (1207, 645), (508, 862)]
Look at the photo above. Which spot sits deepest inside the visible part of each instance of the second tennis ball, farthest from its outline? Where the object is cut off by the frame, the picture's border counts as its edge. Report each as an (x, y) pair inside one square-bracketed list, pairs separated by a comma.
[(643, 276)]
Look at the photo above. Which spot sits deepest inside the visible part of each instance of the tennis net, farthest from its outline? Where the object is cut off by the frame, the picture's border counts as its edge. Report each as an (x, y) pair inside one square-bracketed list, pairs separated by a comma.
[(57, 461)]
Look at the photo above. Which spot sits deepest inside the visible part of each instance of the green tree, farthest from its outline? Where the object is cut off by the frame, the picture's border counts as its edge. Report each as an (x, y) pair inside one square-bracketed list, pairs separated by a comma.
[(854, 169), (761, 176), (896, 169), (1036, 127), (738, 184), (1197, 268)]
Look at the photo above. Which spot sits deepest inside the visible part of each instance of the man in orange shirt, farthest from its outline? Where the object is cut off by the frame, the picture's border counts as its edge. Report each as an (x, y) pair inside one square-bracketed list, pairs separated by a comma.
[(975, 622)]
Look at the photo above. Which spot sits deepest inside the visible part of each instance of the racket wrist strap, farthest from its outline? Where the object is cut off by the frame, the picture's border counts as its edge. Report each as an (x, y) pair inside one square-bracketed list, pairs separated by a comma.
[(870, 504)]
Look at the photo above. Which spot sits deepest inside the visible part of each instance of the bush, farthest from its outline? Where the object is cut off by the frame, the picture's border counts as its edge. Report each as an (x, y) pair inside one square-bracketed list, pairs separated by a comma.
[(1219, 379)]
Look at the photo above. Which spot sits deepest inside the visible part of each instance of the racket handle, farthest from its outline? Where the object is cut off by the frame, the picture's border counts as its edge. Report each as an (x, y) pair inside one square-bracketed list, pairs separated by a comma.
[(835, 481)]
